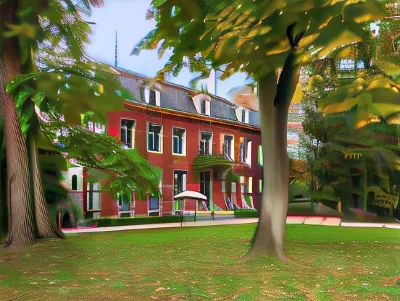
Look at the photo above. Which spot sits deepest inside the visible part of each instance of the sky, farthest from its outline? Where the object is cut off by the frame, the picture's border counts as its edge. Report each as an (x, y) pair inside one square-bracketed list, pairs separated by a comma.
[(127, 17)]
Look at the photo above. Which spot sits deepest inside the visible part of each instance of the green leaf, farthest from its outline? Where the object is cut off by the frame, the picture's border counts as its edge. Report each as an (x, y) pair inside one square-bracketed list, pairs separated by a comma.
[(21, 79), (38, 98)]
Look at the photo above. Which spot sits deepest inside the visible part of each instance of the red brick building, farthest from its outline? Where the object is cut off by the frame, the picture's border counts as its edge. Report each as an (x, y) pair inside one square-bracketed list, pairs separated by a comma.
[(201, 142)]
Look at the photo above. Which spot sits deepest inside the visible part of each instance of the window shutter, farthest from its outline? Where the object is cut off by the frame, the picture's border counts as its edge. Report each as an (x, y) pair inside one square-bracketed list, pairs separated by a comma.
[(250, 185), (158, 97), (247, 116), (208, 108), (146, 94), (248, 159)]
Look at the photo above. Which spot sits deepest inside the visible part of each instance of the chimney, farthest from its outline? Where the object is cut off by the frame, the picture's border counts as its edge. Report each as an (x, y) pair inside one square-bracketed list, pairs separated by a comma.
[(212, 82)]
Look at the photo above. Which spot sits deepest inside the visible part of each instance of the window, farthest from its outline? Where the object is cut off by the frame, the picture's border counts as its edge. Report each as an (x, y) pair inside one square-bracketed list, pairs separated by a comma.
[(205, 143), (243, 115), (154, 206), (205, 185), (74, 182), (204, 107), (179, 181), (154, 138), (245, 151), (360, 65), (93, 196), (346, 65), (124, 201), (179, 141), (99, 128), (154, 203), (152, 97), (128, 133), (227, 147)]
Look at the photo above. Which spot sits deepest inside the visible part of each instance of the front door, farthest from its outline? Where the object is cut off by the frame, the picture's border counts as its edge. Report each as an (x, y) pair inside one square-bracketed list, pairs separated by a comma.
[(179, 186), (205, 187)]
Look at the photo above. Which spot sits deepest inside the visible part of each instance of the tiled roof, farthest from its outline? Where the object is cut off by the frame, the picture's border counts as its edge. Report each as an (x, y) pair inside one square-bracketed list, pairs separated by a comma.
[(178, 98)]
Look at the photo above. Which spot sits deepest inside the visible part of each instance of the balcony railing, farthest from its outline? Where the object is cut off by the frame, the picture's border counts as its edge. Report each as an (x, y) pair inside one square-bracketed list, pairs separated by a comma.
[(220, 159), (226, 152)]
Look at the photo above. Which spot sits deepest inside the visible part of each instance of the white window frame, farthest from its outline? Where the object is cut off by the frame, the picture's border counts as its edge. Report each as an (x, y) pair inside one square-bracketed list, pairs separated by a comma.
[(203, 141), (248, 144), (232, 152), (183, 141), (133, 134), (94, 191), (160, 137)]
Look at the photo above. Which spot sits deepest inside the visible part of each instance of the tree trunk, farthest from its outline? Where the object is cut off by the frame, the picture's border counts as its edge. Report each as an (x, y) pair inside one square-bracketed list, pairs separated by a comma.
[(268, 239), (45, 228), (21, 231), (274, 101), (3, 198)]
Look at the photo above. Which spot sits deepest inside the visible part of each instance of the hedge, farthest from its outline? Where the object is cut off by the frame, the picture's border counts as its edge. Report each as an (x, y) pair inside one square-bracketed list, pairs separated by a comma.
[(246, 213), (128, 221)]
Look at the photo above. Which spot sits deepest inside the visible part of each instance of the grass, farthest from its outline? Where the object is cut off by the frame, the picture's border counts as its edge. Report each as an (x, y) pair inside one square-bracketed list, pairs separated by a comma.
[(327, 263)]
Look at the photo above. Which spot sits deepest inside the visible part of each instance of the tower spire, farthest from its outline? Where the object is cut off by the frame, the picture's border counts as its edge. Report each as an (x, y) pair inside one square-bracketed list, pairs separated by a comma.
[(116, 48)]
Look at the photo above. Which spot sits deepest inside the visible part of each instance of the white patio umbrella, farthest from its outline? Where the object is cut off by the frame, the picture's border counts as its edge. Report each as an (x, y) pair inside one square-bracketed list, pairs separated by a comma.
[(189, 194)]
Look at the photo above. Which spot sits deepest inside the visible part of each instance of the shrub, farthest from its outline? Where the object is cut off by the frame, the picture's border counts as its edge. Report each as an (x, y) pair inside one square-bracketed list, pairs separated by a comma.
[(128, 221)]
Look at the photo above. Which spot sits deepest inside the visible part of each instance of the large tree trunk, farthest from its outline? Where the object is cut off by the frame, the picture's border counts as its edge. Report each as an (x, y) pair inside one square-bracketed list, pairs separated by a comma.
[(274, 101), (28, 217), (45, 228), (21, 230), (268, 239), (3, 198)]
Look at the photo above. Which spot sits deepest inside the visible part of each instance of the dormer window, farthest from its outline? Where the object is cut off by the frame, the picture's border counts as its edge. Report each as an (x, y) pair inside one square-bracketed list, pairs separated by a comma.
[(242, 115), (204, 107), (202, 103), (152, 97), (96, 127)]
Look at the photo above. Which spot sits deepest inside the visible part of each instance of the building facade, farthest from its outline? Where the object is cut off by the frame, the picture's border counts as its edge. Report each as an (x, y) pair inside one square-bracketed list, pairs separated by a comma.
[(200, 142)]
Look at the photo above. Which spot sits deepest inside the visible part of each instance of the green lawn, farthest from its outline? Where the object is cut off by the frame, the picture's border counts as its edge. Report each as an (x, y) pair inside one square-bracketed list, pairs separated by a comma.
[(327, 263)]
